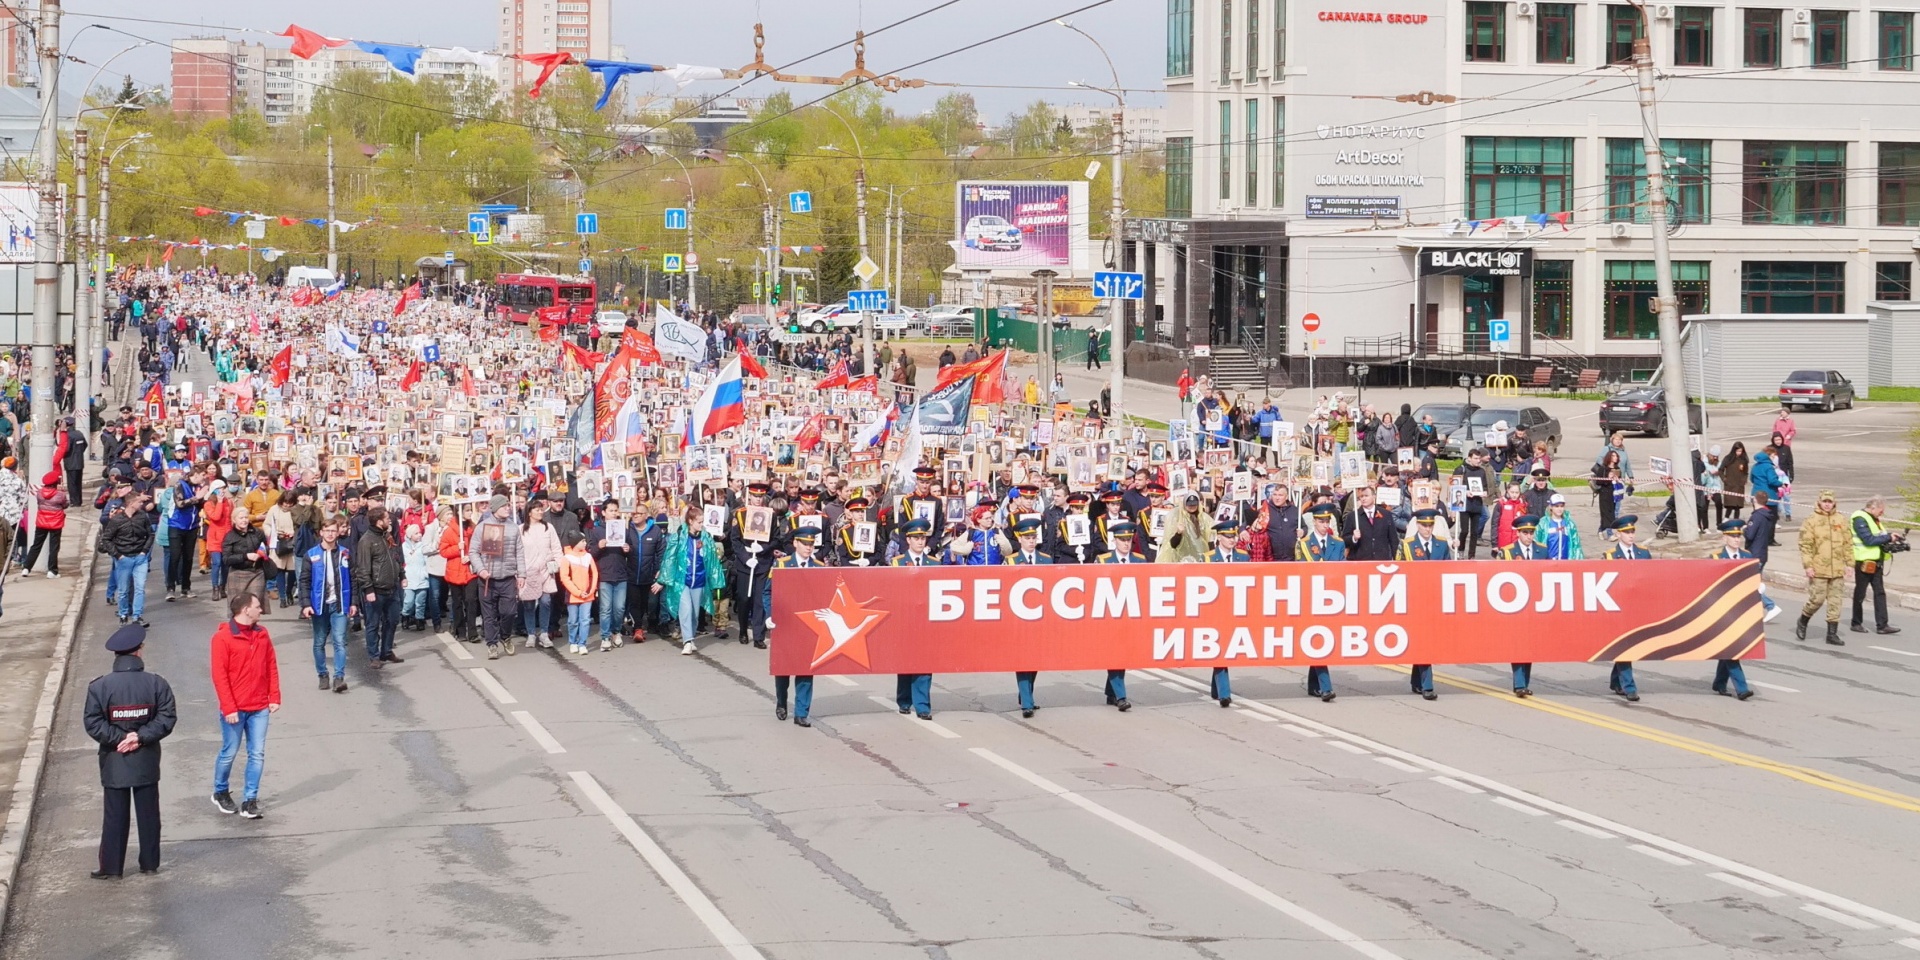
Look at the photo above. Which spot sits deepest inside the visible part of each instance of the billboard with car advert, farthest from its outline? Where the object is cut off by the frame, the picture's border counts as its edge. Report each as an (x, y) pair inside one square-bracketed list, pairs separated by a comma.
[(1021, 226)]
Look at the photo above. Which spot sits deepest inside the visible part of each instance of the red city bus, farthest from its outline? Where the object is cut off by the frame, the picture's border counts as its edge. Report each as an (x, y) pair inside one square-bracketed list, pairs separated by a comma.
[(555, 300)]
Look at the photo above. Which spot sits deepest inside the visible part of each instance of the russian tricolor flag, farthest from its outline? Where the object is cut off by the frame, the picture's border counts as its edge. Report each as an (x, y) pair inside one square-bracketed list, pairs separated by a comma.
[(720, 407), (335, 289)]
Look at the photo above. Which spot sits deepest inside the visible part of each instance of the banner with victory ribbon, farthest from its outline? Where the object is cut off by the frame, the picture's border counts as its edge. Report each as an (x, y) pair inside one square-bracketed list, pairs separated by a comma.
[(938, 619)]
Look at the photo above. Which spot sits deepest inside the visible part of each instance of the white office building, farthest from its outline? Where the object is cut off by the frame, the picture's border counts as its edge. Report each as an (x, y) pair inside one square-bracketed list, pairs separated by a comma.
[(1410, 173)]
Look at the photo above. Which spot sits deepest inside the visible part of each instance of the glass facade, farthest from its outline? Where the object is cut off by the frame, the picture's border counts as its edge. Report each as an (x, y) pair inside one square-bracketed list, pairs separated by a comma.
[(1893, 280), (1772, 286), (1632, 286), (1794, 182), (1900, 184), (1553, 299), (1688, 165), (1518, 176), (1179, 38), (1180, 177), (1486, 32), (1553, 33)]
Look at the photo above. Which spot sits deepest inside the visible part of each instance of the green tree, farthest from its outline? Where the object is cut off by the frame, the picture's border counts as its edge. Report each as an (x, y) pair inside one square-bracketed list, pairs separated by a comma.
[(954, 122)]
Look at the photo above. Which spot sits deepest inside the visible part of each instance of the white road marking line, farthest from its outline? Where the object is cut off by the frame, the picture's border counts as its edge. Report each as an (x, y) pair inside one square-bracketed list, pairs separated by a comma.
[(676, 879), (1401, 765), (1732, 866), (1660, 855), (1348, 747), (1263, 718), (1595, 832), (929, 724), (1904, 653), (1745, 884), (843, 681), (1838, 917), (492, 686), (1296, 728), (1762, 684), (457, 648), (1176, 686), (538, 732), (1457, 785), (1207, 865), (1517, 805), (1911, 943)]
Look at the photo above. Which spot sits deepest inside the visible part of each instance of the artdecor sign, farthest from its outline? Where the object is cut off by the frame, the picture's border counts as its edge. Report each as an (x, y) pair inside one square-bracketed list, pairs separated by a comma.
[(1478, 261), (1074, 617)]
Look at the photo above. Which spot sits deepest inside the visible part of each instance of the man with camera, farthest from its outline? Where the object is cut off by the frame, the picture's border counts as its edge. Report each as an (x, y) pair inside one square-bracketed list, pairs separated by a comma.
[(1873, 546)]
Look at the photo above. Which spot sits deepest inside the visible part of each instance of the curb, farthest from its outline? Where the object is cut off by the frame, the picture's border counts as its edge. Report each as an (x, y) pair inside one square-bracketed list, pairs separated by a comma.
[(26, 786)]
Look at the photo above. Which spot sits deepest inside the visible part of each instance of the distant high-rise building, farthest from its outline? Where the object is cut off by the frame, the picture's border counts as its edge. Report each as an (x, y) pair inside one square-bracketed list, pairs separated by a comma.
[(16, 43), (583, 28), (213, 76)]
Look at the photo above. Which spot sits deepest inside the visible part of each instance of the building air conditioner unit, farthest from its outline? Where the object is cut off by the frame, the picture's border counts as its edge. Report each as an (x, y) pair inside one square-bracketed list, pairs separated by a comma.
[(1802, 32), (1526, 9), (1620, 231), (1663, 12), (1803, 16)]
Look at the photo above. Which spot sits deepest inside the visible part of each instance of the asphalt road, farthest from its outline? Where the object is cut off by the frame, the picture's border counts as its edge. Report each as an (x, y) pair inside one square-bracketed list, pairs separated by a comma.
[(642, 803)]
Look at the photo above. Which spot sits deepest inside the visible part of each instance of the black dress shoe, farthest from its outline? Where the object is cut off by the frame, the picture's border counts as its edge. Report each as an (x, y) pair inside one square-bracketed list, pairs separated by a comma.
[(1886, 630), (392, 657), (103, 875), (1724, 693), (759, 644), (802, 722), (780, 712), (1857, 627), (1111, 702), (1743, 696), (905, 710), (1327, 697), (145, 870), (925, 716), (1123, 705), (1026, 713), (744, 639), (1429, 695), (1226, 702)]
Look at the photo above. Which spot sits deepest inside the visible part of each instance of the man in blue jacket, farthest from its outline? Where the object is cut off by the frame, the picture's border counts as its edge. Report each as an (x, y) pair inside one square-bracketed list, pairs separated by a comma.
[(328, 593)]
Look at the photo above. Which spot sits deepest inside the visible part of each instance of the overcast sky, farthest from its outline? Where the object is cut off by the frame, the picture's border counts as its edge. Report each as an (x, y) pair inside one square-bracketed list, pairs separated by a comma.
[(715, 33)]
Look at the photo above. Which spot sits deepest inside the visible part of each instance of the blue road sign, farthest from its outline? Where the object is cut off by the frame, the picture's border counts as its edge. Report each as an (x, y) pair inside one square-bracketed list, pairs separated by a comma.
[(430, 353), (379, 326), (499, 207), (1499, 334), (478, 224), (676, 218), (670, 263), (446, 259), (1116, 285), (867, 301), (586, 266), (800, 201), (586, 223)]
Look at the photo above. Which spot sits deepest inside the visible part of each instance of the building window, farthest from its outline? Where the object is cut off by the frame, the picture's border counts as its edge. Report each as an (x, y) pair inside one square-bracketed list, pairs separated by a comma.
[(1279, 152), (1900, 184), (1623, 28), (1253, 153), (1553, 299), (1688, 166), (1225, 141), (1253, 38), (1553, 33), (1179, 177), (1487, 32), (1896, 41), (1830, 39), (1632, 286), (1279, 38), (1768, 286), (1179, 38), (1693, 37), (1761, 38), (1794, 182), (1226, 41), (1518, 176), (1893, 280)]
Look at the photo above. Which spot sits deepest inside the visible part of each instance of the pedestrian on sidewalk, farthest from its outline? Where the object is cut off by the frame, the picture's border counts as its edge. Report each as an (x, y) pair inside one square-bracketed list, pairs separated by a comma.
[(128, 713), (243, 554), (1185, 386), (49, 519), (1826, 547), (216, 519), (127, 538), (580, 581), (493, 550), (414, 551), (1093, 349), (326, 588), (246, 681), (1873, 546), (378, 561)]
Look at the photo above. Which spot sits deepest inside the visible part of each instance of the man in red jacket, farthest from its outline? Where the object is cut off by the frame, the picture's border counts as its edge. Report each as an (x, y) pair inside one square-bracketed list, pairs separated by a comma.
[(246, 680)]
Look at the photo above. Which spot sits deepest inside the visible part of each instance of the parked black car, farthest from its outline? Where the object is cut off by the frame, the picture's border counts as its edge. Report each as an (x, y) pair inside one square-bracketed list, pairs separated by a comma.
[(1644, 410), (1825, 389)]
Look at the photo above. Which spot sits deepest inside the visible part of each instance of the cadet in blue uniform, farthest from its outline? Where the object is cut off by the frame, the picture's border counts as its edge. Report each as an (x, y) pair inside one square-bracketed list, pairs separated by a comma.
[(804, 539), (1027, 534), (1224, 533), (1120, 535), (1733, 547), (1423, 545), (129, 711), (1320, 546), (914, 691), (855, 511), (1522, 548), (1621, 681)]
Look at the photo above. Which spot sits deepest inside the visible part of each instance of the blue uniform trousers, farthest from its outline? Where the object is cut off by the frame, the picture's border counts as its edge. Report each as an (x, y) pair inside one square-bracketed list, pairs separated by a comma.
[(802, 694)]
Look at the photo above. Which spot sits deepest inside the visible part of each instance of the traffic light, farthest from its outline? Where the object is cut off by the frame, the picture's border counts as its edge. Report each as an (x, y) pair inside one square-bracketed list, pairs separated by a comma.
[(777, 290)]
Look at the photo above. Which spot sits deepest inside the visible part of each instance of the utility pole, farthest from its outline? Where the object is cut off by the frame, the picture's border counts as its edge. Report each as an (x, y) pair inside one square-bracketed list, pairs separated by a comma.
[(84, 361), (866, 319), (46, 237), (1117, 338), (333, 253), (1674, 375), (690, 267), (100, 254)]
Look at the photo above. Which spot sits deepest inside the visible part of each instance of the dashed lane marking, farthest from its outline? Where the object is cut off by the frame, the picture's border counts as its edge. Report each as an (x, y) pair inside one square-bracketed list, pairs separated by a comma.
[(1595, 832), (929, 724), (455, 647), (1904, 653), (492, 686), (1348, 747), (1517, 805), (1845, 920), (1745, 884), (538, 732), (1400, 765), (1457, 785), (1762, 684), (1660, 855), (843, 681)]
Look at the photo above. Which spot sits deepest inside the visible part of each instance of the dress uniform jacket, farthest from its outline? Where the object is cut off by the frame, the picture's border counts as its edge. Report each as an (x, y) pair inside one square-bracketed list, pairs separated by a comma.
[(129, 698), (1313, 548)]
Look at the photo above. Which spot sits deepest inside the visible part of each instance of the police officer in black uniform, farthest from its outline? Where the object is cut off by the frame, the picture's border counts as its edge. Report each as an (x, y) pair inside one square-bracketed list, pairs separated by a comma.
[(129, 711)]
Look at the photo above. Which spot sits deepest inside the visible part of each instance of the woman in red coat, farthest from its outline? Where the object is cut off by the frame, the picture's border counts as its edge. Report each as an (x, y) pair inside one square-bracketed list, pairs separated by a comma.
[(49, 518)]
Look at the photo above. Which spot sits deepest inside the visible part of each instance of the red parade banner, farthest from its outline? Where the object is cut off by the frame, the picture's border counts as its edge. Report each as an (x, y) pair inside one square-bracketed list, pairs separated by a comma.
[(977, 619)]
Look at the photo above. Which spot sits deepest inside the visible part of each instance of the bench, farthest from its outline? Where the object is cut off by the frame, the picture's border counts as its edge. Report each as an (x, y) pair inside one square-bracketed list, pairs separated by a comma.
[(1589, 381), (1542, 379)]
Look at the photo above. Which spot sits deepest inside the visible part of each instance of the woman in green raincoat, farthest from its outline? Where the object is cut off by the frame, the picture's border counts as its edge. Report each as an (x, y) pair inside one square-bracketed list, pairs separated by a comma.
[(691, 575)]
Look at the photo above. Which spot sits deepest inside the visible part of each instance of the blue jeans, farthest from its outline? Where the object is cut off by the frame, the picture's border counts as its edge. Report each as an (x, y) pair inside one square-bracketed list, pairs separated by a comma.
[(1220, 685), (382, 617), (1116, 685), (414, 607), (330, 626), (216, 566), (534, 614), (913, 691), (689, 613), (802, 694), (129, 585), (579, 623), (1725, 670), (1319, 680), (253, 726), (1621, 679), (1522, 676), (436, 599), (1421, 677), (613, 608), (1023, 685)]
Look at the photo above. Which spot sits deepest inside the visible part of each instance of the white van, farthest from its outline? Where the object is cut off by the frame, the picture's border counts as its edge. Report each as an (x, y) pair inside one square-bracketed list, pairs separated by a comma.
[(310, 277)]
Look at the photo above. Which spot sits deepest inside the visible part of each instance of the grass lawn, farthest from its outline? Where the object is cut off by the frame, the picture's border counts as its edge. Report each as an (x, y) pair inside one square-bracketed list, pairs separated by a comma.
[(1894, 395)]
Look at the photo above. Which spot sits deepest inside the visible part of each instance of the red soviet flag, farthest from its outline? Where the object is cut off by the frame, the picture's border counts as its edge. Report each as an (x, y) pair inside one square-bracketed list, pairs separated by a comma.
[(413, 377), (751, 367), (280, 367)]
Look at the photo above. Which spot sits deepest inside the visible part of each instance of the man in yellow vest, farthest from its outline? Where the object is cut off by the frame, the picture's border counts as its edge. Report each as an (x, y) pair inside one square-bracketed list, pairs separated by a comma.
[(1873, 546)]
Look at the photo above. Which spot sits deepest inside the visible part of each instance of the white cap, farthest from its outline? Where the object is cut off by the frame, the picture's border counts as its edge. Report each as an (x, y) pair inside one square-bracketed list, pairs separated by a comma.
[(217, 485), (1557, 498)]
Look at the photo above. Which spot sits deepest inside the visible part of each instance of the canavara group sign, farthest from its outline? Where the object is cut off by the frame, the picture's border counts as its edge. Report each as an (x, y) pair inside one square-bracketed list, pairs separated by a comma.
[(1094, 617)]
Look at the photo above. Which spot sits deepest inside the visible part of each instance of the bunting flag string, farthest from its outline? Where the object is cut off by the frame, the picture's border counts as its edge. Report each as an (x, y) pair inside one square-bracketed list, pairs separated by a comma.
[(1564, 218)]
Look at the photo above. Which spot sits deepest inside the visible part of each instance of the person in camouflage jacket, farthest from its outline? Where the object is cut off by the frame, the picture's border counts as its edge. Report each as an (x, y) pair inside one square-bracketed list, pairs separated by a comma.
[(1826, 553)]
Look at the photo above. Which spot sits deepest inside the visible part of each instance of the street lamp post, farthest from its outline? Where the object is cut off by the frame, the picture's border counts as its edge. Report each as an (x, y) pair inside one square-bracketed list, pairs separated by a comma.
[(1469, 382), (1116, 308), (1359, 371), (860, 208), (770, 230), (693, 274)]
